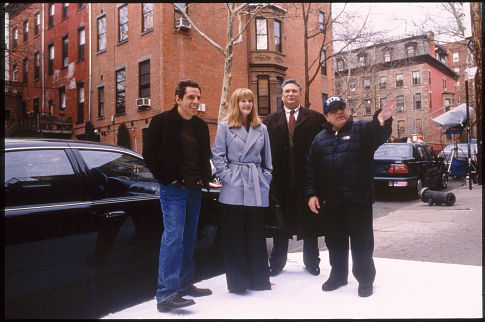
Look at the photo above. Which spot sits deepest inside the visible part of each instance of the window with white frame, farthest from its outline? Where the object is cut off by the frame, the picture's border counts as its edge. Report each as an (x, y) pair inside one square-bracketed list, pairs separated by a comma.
[(102, 33), (65, 53), (400, 103), (456, 57), (80, 102), (366, 83), (399, 80), (261, 34), (144, 78), (81, 41), (417, 101), (264, 107), (416, 77), (382, 101), (323, 62), (367, 107), (36, 66), (62, 98), (277, 36), (400, 128), (65, 10), (15, 37), (26, 30), (101, 102), (340, 65), (36, 23), (382, 82), (387, 56), (120, 91), (147, 17), (321, 21), (50, 63), (52, 10), (123, 22), (15, 72), (352, 86)]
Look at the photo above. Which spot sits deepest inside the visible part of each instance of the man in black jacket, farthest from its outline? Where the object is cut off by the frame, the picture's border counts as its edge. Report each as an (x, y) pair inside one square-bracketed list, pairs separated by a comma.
[(339, 185), (177, 152), (291, 131)]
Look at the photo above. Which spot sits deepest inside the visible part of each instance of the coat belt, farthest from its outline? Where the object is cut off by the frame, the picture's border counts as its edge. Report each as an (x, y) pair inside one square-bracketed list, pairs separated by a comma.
[(253, 173)]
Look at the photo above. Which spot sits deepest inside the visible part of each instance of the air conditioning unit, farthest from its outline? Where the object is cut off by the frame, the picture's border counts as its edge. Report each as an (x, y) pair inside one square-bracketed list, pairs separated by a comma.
[(143, 102), (182, 24)]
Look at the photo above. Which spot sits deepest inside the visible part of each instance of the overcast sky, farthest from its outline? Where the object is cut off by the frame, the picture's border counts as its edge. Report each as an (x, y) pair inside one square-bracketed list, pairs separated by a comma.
[(400, 18)]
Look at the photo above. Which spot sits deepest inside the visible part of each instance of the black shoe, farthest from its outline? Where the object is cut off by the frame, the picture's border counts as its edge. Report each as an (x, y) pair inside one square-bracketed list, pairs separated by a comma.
[(314, 270), (365, 290), (332, 284), (196, 292), (275, 270), (240, 291), (174, 302), (261, 287)]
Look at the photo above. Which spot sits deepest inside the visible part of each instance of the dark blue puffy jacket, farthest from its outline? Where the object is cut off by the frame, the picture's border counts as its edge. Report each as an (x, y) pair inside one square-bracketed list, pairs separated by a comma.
[(340, 164)]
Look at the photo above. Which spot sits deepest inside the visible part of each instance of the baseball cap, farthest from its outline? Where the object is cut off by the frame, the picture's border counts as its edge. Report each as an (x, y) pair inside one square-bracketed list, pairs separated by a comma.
[(331, 102)]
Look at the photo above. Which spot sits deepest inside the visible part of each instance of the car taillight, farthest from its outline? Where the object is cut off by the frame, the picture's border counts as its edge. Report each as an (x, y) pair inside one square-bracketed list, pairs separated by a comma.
[(398, 168)]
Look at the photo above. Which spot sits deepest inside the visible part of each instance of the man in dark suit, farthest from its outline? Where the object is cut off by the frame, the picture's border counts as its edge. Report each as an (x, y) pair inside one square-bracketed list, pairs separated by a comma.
[(291, 132)]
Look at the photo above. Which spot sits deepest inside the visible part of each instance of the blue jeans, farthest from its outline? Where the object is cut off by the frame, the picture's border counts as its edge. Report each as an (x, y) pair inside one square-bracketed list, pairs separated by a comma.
[(176, 268)]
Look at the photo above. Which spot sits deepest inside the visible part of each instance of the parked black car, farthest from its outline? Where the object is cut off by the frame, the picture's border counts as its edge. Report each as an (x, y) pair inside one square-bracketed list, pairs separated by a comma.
[(82, 229), (408, 166)]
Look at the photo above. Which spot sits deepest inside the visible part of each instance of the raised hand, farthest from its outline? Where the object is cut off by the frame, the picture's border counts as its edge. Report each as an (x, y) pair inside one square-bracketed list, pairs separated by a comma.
[(386, 112)]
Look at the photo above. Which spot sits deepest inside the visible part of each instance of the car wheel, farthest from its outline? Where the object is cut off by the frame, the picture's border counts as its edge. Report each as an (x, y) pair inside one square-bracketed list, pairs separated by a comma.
[(444, 181), (417, 190)]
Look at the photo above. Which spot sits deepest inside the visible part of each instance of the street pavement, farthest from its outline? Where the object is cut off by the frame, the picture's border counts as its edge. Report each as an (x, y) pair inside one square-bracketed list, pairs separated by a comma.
[(428, 261)]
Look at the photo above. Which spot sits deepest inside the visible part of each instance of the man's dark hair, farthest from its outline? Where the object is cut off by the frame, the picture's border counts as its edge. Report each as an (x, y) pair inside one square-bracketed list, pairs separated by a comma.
[(180, 90), (291, 81)]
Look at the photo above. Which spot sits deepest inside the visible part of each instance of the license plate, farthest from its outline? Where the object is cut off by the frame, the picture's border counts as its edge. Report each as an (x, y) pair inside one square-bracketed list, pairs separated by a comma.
[(400, 184)]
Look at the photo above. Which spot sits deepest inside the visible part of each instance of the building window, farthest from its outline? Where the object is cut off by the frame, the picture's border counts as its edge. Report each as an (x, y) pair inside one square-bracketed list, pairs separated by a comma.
[(36, 66), (337, 88), (444, 84), (340, 65), (323, 62), (65, 8), (400, 103), (387, 56), (430, 97), (324, 98), (366, 83), (147, 16), (50, 103), (352, 106), (144, 79), (457, 70), (263, 95), (399, 80), (102, 33), (15, 73), (120, 91), (26, 30), (429, 77), (411, 51), (36, 24), (50, 64), (279, 102), (25, 66), (36, 105), (15, 37), (80, 102), (277, 36), (52, 10), (382, 101), (62, 98), (362, 61), (416, 78), (123, 22), (456, 57), (352, 86), (400, 128), (417, 101), (382, 82), (368, 110), (101, 102), (65, 54), (321, 21), (81, 41), (261, 34)]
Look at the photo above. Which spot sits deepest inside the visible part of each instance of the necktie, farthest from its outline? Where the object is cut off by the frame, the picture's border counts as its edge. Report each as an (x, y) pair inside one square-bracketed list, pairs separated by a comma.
[(291, 122)]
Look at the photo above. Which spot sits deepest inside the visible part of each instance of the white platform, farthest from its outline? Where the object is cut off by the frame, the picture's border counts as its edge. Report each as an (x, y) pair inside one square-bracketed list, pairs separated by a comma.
[(402, 289)]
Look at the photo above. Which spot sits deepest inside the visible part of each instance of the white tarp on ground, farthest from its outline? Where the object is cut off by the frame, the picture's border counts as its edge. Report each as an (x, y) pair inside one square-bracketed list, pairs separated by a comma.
[(402, 289)]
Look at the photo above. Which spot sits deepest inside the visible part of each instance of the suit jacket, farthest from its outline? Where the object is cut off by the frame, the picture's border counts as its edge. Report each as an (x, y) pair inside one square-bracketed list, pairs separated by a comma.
[(243, 163), (298, 219)]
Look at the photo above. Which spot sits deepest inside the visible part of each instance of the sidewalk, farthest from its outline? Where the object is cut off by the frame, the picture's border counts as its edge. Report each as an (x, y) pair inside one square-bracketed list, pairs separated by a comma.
[(402, 289), (413, 250)]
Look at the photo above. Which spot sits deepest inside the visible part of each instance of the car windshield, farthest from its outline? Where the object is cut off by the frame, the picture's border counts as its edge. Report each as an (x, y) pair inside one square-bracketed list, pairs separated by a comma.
[(394, 151)]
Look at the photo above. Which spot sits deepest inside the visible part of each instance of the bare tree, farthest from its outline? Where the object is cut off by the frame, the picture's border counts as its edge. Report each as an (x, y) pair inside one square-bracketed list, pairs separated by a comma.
[(233, 37)]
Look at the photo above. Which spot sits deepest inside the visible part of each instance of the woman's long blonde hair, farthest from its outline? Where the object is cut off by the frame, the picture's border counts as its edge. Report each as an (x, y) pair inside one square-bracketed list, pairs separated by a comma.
[(234, 116)]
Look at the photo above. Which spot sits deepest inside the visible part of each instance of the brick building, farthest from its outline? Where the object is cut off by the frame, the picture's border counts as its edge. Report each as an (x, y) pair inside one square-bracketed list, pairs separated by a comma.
[(141, 51), (48, 55), (415, 71)]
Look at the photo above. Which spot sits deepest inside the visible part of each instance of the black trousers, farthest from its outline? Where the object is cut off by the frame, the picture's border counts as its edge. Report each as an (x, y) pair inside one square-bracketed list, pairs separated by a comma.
[(354, 222), (279, 253), (244, 248)]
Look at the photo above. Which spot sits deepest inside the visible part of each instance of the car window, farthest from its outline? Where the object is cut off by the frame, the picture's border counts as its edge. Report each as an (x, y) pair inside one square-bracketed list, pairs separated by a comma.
[(424, 153), (119, 174), (394, 151), (39, 176)]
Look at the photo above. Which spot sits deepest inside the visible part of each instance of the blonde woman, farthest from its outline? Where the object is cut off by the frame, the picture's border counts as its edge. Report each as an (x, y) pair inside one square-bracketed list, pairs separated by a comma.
[(242, 157)]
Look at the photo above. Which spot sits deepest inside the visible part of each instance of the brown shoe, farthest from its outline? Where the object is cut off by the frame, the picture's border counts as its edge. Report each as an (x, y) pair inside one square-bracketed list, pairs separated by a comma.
[(196, 292)]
